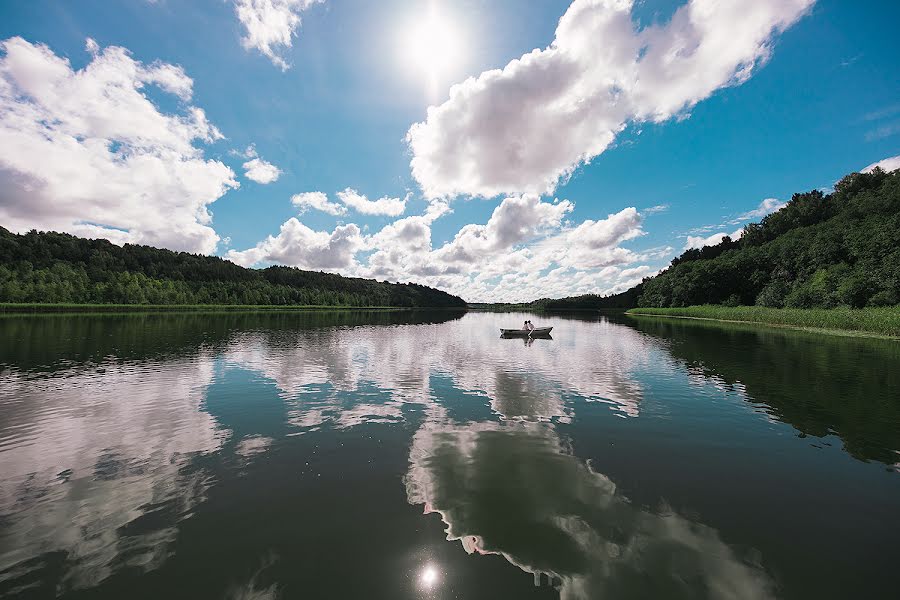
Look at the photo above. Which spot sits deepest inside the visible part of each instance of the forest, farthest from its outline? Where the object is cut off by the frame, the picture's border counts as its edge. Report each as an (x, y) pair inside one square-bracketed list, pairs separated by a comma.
[(822, 250), (819, 251), (46, 267)]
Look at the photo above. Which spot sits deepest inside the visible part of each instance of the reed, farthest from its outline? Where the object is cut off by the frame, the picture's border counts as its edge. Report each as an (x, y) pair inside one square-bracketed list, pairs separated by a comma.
[(877, 320)]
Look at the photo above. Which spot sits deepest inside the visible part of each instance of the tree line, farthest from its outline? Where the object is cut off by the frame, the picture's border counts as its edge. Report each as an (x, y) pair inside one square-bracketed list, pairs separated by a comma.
[(48, 267), (822, 250)]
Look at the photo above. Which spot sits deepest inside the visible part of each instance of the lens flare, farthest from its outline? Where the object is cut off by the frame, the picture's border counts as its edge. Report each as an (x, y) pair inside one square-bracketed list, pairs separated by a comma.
[(432, 45)]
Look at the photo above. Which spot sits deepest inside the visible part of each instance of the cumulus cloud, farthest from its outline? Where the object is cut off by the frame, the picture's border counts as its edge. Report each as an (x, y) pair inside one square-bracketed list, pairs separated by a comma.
[(523, 128), (259, 170), (515, 220), (87, 152), (299, 246), (317, 201), (525, 250), (595, 244), (712, 240), (270, 25), (888, 164), (391, 207)]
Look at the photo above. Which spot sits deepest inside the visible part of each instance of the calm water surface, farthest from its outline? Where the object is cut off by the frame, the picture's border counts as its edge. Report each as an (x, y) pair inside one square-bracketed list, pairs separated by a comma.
[(416, 455)]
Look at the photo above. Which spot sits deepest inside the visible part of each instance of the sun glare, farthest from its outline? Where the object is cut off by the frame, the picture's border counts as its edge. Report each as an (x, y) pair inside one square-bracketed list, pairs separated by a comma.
[(432, 45), (429, 576)]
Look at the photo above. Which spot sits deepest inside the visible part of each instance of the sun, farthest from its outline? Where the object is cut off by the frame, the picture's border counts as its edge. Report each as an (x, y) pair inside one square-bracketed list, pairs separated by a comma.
[(429, 576), (432, 45)]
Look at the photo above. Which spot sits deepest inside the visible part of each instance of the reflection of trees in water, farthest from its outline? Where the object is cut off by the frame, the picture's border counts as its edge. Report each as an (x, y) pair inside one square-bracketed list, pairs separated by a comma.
[(514, 489), (819, 384), (51, 341)]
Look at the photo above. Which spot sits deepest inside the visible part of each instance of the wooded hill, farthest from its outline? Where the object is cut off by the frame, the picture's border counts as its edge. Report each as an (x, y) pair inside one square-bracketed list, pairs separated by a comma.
[(819, 251), (60, 268)]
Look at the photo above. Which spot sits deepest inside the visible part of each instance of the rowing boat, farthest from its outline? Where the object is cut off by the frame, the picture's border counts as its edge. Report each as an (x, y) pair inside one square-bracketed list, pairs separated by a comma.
[(536, 332)]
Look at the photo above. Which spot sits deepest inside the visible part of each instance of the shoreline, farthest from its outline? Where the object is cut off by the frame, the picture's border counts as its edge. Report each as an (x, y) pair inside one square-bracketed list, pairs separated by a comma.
[(833, 331), (51, 308)]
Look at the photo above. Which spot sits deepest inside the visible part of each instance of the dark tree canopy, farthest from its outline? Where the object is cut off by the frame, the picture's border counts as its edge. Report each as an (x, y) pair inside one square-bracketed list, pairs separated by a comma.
[(626, 299), (819, 251), (57, 267)]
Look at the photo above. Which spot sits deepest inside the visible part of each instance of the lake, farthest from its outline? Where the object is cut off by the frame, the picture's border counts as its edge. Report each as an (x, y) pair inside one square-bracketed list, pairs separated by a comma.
[(417, 455)]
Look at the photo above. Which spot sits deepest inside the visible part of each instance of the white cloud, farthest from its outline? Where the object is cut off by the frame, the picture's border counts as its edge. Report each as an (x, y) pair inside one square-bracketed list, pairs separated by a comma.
[(595, 244), (261, 171), (524, 251), (514, 221), (317, 201), (766, 207), (256, 169), (299, 246), (700, 242), (888, 164), (270, 25), (883, 131), (391, 207), (523, 128), (616, 228), (88, 153)]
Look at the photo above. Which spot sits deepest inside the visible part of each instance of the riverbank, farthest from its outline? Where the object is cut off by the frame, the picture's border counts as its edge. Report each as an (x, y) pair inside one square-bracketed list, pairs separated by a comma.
[(37, 307), (880, 322)]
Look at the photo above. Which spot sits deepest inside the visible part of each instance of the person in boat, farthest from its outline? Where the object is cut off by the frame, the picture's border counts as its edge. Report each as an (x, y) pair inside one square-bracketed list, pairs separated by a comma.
[(529, 326)]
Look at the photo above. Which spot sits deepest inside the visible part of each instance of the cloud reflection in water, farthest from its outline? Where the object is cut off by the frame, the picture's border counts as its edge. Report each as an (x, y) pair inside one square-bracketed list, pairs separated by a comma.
[(93, 453), (515, 490), (88, 455)]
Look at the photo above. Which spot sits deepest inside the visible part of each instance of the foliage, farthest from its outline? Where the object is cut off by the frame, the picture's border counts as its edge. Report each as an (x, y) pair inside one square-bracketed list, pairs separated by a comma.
[(39, 267), (819, 251), (624, 300), (878, 320)]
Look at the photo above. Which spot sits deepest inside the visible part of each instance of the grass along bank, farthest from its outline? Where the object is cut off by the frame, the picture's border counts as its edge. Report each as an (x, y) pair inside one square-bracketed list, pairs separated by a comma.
[(881, 321)]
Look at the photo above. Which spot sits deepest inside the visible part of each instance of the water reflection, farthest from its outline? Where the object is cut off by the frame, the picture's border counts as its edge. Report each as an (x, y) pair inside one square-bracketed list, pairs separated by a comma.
[(597, 364), (118, 434), (516, 490), (86, 455), (821, 385)]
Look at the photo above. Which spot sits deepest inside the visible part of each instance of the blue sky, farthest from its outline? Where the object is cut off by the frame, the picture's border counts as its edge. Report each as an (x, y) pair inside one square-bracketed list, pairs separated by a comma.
[(579, 168)]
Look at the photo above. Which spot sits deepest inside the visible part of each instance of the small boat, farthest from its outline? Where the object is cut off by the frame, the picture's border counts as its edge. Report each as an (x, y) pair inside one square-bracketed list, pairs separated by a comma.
[(536, 332)]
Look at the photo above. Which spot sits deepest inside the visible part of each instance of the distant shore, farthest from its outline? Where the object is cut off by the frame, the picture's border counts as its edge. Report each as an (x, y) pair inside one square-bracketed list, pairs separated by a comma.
[(39, 307), (871, 322)]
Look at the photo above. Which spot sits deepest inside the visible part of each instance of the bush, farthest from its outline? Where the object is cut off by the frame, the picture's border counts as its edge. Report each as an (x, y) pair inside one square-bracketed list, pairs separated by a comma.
[(884, 298), (773, 295)]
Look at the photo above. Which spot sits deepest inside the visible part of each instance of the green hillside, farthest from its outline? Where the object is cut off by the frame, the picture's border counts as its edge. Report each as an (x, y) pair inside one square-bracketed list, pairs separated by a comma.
[(819, 251)]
